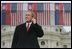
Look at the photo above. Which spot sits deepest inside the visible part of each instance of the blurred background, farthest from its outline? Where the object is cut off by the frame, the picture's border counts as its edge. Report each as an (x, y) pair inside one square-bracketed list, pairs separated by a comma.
[(54, 17)]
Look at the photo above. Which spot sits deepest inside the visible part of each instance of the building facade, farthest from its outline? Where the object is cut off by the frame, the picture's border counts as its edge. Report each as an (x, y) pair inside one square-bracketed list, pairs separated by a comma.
[(51, 39)]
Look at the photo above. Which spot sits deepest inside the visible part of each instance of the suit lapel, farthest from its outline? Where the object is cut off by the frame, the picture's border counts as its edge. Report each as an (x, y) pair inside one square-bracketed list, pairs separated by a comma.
[(24, 27)]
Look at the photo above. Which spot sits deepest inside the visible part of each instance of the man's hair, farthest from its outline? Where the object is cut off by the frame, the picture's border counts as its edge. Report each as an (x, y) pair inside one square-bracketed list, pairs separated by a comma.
[(33, 14)]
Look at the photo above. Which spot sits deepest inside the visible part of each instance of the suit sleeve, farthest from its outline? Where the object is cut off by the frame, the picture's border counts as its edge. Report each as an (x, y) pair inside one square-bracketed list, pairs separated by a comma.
[(38, 30), (15, 38)]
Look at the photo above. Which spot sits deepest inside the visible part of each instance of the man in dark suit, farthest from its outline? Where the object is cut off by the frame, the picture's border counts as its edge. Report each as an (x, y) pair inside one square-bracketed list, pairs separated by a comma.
[(26, 34)]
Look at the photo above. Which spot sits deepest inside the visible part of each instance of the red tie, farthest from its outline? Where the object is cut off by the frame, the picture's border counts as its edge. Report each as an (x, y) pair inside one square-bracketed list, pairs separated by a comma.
[(28, 27)]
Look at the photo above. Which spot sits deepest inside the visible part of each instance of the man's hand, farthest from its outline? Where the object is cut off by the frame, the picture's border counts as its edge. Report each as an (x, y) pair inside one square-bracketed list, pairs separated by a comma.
[(34, 20)]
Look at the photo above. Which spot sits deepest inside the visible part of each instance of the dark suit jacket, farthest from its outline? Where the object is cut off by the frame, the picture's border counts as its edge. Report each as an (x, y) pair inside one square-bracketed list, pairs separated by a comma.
[(24, 39)]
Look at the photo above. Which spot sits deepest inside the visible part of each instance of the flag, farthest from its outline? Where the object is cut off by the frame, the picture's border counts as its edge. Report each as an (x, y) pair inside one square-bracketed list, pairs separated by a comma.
[(61, 22), (29, 6), (3, 14), (67, 14), (40, 11), (57, 14), (19, 13), (43, 13), (16, 13), (52, 14), (46, 13), (25, 9), (8, 16), (34, 9), (13, 13)]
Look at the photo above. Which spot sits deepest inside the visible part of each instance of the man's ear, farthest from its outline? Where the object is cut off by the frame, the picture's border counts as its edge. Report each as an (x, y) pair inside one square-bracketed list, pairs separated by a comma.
[(33, 17)]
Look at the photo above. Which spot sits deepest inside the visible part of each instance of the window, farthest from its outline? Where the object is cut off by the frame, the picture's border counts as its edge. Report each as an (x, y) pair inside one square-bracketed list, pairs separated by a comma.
[(64, 46), (3, 43), (60, 30), (57, 44), (42, 43), (57, 30)]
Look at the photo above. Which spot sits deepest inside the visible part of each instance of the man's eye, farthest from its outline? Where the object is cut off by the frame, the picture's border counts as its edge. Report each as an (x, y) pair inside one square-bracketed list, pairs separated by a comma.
[(27, 14)]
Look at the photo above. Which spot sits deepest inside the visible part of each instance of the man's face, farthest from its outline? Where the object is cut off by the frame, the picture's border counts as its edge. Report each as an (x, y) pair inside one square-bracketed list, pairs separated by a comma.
[(28, 16)]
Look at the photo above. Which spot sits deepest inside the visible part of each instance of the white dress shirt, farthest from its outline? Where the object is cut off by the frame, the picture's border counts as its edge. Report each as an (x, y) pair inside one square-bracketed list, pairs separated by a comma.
[(29, 24)]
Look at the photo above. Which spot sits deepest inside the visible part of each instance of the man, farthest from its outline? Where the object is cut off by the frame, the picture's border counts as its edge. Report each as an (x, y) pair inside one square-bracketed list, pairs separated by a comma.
[(26, 34)]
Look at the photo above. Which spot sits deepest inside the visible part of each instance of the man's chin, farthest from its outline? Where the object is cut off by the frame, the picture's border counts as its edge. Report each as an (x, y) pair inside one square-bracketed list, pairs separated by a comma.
[(28, 21)]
